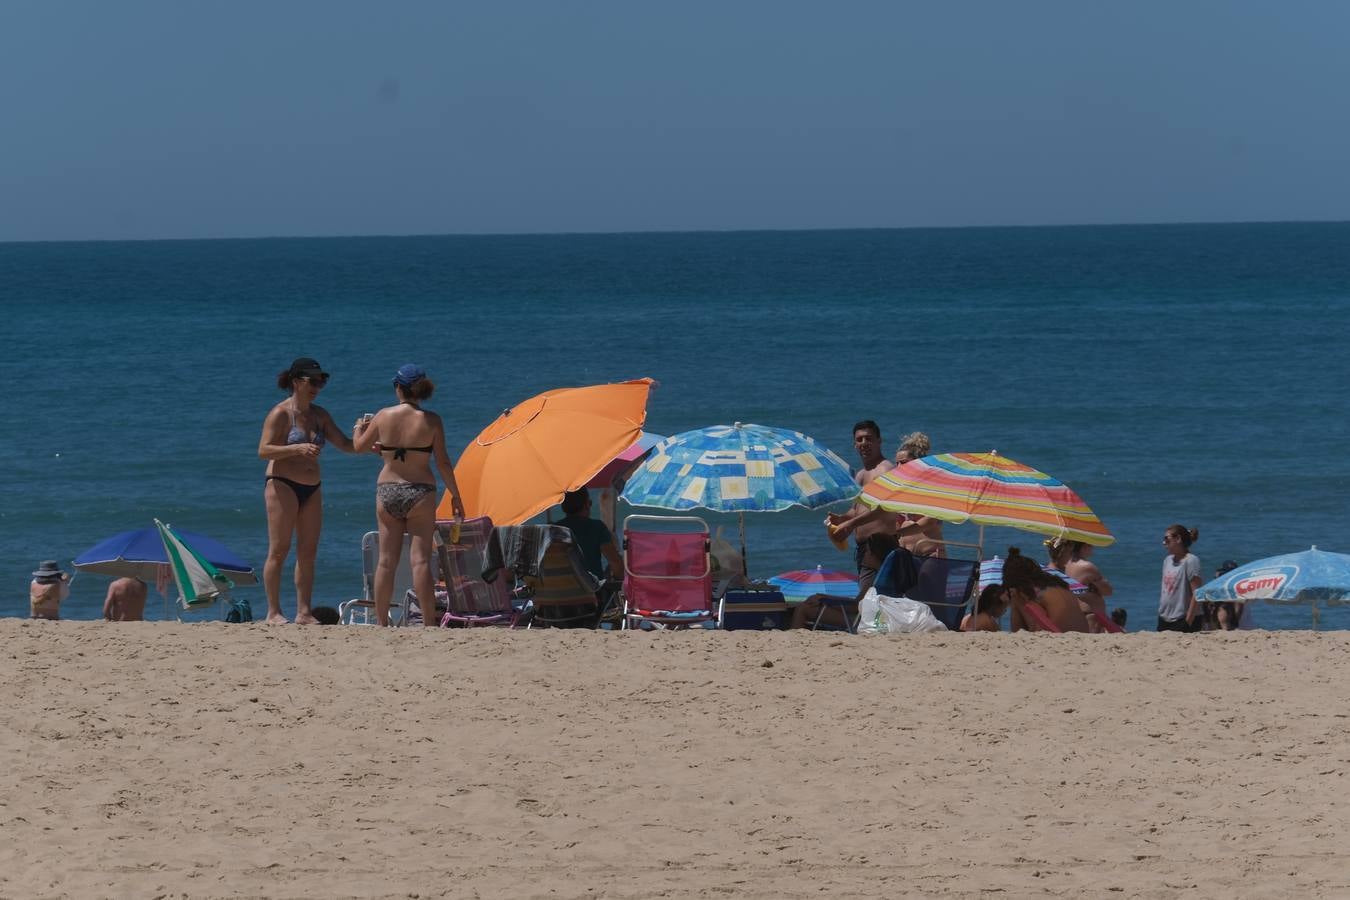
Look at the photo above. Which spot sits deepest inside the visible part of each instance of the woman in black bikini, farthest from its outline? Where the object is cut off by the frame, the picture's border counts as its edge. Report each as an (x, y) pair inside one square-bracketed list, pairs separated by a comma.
[(409, 438), (293, 434)]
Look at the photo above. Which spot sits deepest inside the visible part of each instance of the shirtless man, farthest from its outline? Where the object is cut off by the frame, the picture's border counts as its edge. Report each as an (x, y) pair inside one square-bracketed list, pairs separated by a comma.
[(861, 520), (125, 601)]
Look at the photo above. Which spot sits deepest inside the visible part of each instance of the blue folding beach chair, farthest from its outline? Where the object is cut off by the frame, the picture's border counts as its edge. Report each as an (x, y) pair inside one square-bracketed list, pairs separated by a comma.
[(945, 584)]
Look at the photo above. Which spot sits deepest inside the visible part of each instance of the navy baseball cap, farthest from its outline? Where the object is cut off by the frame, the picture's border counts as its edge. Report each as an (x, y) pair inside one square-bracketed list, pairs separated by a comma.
[(409, 374)]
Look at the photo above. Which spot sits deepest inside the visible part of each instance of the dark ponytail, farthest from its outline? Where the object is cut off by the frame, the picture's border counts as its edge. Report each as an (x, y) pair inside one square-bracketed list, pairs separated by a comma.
[(419, 391), (1188, 536), (1021, 573)]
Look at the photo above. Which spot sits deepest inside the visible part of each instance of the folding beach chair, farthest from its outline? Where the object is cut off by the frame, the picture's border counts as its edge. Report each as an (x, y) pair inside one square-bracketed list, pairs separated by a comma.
[(361, 611), (748, 609), (1035, 613), (1106, 624), (469, 599), (667, 571), (563, 593), (848, 609), (946, 584)]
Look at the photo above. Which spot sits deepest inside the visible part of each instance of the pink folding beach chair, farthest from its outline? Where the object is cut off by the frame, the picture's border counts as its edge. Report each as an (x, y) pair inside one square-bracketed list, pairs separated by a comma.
[(1106, 624), (1035, 613), (469, 600), (667, 572)]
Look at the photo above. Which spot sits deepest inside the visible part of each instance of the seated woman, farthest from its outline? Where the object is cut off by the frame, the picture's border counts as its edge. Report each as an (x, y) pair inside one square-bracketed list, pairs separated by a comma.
[(989, 608), (1027, 583), (920, 535), (875, 550), (1071, 558)]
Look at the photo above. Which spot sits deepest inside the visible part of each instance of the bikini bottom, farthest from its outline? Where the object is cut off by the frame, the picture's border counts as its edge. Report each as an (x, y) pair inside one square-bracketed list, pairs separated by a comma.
[(301, 490), (399, 497)]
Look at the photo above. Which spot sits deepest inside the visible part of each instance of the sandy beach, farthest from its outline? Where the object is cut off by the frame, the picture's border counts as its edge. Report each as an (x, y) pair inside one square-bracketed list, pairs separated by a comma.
[(156, 759)]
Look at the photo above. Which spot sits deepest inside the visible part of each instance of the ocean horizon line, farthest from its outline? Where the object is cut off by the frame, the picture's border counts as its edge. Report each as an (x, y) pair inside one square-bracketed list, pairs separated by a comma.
[(681, 232)]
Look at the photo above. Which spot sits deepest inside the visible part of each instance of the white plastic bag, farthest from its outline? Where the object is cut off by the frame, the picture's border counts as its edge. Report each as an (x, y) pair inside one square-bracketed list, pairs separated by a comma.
[(879, 614)]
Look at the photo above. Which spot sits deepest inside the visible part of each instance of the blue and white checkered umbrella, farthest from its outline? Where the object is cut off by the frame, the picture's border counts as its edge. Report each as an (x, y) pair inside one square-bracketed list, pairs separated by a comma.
[(740, 468)]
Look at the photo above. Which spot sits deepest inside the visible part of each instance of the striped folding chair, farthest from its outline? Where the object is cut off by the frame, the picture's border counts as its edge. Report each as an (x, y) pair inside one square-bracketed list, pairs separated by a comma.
[(564, 593), (469, 600)]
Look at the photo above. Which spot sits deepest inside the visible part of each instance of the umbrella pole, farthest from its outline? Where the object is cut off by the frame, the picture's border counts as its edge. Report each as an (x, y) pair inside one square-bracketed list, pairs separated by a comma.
[(745, 564), (1314, 606)]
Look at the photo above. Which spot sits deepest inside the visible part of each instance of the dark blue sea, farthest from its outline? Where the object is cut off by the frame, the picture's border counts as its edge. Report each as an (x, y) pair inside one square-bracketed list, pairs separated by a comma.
[(1193, 374)]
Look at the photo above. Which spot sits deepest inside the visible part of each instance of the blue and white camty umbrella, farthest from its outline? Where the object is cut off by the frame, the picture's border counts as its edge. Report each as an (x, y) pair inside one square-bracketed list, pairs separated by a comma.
[(1311, 577)]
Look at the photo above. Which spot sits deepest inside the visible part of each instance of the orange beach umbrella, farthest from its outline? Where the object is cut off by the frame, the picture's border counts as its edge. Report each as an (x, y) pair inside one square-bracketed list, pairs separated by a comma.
[(555, 442)]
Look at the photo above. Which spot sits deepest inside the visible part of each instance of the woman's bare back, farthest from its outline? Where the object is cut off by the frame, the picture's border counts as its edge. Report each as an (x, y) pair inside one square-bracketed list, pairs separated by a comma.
[(407, 437), (1062, 608)]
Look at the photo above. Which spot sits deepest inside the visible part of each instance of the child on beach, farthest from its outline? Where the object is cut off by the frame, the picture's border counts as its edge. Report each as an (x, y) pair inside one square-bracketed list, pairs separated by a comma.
[(1228, 616), (989, 608), (49, 587), (1177, 609)]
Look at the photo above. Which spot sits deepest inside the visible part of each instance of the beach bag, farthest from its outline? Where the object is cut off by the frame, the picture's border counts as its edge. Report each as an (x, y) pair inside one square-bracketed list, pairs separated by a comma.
[(726, 561), (879, 614), (240, 611)]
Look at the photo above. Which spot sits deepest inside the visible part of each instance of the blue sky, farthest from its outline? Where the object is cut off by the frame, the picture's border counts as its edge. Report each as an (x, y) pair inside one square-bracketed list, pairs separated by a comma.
[(193, 119)]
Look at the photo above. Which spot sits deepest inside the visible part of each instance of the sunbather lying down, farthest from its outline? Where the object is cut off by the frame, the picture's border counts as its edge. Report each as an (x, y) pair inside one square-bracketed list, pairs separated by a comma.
[(836, 606), (872, 553)]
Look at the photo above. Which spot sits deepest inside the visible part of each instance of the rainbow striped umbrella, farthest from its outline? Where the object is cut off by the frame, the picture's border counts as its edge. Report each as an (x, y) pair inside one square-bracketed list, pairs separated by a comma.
[(799, 585), (987, 489)]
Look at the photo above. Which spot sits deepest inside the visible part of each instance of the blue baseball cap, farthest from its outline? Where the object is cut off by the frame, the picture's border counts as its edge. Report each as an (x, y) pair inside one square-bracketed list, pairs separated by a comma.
[(409, 374)]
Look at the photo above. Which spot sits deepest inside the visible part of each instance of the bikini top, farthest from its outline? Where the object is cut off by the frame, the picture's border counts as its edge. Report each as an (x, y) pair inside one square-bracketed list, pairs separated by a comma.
[(298, 435), (401, 453)]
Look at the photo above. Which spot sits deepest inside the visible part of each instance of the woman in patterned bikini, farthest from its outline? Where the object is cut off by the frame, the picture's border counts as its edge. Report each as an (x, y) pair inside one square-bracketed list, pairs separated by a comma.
[(409, 438), (293, 435)]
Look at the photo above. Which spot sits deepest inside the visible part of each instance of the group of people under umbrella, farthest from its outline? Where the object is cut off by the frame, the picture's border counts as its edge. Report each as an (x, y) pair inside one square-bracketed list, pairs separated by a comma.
[(574, 438)]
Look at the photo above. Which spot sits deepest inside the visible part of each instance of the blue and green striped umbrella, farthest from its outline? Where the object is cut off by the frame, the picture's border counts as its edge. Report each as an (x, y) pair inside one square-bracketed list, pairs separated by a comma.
[(740, 468)]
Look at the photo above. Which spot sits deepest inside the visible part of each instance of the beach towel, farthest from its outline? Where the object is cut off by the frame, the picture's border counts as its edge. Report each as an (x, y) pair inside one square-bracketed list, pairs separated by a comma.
[(521, 548)]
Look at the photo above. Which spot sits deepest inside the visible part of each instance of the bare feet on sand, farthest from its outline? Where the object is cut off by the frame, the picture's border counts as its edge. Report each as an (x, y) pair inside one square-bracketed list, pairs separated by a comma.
[(278, 619), (305, 619)]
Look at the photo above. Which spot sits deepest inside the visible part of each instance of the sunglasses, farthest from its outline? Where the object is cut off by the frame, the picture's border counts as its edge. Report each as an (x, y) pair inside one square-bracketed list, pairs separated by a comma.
[(317, 380)]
